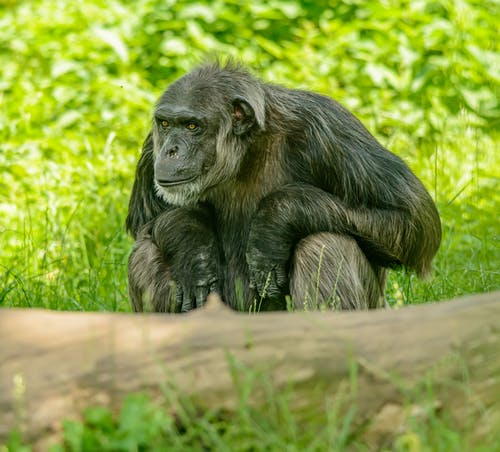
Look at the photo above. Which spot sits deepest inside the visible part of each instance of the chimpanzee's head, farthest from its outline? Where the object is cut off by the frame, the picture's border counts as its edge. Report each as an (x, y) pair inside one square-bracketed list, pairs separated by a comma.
[(201, 129)]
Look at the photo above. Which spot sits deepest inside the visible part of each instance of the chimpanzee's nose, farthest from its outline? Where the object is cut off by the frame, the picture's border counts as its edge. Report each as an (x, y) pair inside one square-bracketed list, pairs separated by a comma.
[(173, 152)]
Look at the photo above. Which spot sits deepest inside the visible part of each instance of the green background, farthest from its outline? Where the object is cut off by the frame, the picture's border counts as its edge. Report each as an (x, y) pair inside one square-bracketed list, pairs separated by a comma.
[(78, 81)]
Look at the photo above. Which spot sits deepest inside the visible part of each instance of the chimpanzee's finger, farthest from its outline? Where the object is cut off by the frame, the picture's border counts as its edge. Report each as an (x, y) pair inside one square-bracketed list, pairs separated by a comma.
[(201, 295), (187, 302), (281, 277), (214, 288), (179, 297)]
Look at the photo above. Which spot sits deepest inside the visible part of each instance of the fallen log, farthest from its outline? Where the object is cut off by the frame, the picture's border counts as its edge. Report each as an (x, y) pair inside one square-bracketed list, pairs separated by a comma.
[(53, 364)]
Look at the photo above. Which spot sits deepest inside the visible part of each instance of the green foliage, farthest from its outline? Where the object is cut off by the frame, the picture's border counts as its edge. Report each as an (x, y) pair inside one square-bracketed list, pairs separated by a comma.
[(79, 79), (141, 425)]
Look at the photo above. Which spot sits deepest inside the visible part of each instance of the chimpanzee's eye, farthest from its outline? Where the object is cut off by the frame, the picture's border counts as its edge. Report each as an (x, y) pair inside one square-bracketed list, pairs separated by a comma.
[(191, 126), (164, 124)]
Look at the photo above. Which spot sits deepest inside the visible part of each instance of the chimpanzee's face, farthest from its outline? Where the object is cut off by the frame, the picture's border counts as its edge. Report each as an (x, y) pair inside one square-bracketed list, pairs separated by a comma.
[(196, 135)]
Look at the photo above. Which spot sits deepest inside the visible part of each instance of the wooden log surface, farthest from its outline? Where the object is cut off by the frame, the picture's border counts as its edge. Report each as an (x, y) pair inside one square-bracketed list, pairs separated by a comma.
[(53, 364)]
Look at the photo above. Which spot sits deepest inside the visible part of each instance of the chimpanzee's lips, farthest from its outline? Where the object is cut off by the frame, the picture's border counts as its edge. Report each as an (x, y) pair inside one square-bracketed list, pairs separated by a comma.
[(171, 183)]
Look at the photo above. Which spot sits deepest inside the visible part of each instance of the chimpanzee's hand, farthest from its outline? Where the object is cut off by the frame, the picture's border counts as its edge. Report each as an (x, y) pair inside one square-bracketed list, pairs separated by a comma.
[(283, 218), (268, 275), (195, 276), (270, 246), (187, 242)]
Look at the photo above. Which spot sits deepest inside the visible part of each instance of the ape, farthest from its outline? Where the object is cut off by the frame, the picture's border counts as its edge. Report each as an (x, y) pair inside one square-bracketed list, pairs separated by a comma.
[(256, 191)]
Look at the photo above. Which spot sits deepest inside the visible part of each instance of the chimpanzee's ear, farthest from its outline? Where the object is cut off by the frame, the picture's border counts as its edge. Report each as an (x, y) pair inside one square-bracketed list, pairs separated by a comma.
[(243, 115)]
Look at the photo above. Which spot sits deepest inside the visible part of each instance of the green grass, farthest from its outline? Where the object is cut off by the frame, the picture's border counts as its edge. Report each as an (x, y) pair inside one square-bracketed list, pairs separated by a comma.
[(78, 81)]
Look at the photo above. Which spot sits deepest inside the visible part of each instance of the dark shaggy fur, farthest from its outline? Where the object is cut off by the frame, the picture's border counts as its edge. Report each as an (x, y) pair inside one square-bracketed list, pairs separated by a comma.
[(257, 191)]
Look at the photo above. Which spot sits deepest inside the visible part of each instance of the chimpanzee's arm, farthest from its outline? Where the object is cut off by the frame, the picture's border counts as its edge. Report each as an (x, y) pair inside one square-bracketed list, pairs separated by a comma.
[(186, 240), (388, 237)]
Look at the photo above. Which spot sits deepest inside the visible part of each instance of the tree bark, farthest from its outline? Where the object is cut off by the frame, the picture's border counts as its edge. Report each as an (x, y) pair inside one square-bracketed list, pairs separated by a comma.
[(53, 364)]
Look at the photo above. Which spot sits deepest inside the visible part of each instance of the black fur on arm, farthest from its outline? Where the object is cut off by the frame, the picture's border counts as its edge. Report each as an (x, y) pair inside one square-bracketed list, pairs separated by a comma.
[(144, 204), (186, 239), (388, 238), (296, 211)]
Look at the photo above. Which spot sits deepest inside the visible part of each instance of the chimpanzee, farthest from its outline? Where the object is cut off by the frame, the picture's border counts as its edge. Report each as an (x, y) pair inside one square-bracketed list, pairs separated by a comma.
[(257, 192)]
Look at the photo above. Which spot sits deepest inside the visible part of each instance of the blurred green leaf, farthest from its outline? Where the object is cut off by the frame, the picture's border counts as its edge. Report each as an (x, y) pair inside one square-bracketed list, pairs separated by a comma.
[(99, 417), (113, 40), (483, 101)]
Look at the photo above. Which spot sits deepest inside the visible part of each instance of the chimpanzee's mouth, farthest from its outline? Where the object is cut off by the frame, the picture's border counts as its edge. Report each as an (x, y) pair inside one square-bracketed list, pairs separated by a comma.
[(171, 183)]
